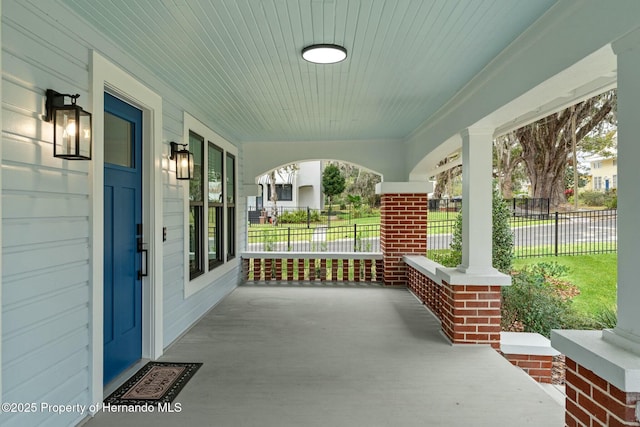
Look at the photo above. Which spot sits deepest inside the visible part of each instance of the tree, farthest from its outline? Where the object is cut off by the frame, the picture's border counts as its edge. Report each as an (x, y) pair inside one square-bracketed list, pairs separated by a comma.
[(507, 157), (445, 179), (360, 183), (273, 196), (547, 143), (333, 182)]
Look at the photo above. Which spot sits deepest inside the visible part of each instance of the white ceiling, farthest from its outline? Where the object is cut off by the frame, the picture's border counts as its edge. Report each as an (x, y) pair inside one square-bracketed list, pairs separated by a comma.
[(239, 60)]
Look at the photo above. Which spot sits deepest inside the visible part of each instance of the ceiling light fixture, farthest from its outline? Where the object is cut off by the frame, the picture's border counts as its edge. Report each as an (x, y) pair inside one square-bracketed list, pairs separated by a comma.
[(324, 53)]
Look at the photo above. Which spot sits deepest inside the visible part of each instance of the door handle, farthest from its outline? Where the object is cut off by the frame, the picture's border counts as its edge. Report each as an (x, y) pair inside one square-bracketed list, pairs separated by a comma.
[(144, 268)]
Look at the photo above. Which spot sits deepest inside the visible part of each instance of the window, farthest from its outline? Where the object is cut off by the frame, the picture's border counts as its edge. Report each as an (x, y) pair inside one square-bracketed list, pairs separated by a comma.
[(259, 199), (284, 192), (196, 207), (210, 223), (615, 181), (615, 162), (597, 182), (597, 165), (215, 205), (231, 206)]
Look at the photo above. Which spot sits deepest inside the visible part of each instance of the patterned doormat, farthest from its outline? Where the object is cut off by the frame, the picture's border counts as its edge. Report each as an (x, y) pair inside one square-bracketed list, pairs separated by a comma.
[(155, 382)]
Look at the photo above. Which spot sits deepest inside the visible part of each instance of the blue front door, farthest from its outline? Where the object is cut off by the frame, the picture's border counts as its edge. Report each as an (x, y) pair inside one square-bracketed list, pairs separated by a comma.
[(122, 229)]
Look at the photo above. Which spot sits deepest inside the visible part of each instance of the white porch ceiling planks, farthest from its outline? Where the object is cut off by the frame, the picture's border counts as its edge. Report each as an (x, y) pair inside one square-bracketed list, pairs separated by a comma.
[(239, 60)]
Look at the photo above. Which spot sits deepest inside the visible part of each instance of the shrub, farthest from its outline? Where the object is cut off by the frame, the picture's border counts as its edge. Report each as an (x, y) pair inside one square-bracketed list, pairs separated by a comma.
[(535, 302), (502, 237), (446, 257), (293, 217), (592, 198), (606, 318), (612, 202), (298, 217)]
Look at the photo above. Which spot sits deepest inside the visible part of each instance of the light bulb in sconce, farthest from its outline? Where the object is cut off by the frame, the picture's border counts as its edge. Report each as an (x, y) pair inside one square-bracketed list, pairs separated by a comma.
[(70, 130)]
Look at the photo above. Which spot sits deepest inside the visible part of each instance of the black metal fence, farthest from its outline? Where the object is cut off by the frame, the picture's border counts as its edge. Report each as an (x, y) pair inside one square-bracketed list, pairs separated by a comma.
[(350, 238), (536, 231), (566, 233), (537, 235), (526, 207), (444, 209), (305, 217)]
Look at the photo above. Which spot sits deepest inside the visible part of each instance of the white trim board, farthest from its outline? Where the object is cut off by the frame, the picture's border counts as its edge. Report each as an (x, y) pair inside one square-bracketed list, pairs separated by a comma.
[(106, 76)]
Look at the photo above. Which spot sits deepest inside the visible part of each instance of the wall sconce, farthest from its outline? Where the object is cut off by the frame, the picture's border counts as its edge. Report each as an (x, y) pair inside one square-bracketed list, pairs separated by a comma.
[(71, 127), (184, 161)]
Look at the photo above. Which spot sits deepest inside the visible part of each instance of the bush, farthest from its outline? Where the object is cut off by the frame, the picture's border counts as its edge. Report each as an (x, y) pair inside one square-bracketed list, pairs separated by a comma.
[(292, 217), (612, 202), (534, 302), (298, 217), (502, 237), (446, 258), (608, 199)]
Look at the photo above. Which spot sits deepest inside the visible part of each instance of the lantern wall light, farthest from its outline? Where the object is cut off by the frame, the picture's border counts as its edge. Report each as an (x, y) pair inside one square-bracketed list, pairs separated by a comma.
[(71, 126), (184, 160)]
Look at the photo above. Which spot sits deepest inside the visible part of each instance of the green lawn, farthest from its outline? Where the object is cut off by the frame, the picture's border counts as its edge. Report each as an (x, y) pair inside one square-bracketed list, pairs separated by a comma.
[(594, 275)]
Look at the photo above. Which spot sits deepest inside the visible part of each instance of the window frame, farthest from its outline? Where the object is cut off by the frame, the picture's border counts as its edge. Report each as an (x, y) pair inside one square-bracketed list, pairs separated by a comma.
[(199, 212), (220, 222), (230, 199), (211, 273), (279, 192)]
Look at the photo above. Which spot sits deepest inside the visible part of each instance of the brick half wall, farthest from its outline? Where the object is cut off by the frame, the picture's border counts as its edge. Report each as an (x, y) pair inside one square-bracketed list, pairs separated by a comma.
[(471, 314), (538, 367)]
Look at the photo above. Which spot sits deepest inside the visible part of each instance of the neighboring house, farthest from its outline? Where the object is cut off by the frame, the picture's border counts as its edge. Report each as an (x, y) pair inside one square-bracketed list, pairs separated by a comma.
[(300, 188), (603, 175)]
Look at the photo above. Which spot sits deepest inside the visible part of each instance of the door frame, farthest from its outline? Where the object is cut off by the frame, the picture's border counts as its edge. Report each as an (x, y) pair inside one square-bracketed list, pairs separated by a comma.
[(106, 76)]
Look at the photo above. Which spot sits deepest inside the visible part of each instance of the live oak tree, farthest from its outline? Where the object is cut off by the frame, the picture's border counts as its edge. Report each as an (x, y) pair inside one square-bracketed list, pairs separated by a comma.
[(359, 183), (444, 180), (547, 143), (507, 161)]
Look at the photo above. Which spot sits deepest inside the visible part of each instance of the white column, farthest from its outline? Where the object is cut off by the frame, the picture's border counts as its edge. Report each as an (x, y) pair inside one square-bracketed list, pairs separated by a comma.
[(628, 53), (477, 163), (609, 354)]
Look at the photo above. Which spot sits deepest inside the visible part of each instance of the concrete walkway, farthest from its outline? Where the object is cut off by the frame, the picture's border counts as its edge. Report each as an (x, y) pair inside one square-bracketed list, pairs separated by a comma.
[(310, 356)]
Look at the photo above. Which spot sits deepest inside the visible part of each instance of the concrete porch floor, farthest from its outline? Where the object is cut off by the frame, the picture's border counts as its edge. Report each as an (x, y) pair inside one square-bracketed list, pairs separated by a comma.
[(365, 356)]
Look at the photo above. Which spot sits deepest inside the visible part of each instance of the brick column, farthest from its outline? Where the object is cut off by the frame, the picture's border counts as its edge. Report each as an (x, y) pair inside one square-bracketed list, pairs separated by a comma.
[(403, 226), (593, 401)]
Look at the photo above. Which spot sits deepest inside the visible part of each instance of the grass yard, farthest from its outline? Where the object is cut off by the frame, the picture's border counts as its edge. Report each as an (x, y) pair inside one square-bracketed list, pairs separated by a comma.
[(594, 275)]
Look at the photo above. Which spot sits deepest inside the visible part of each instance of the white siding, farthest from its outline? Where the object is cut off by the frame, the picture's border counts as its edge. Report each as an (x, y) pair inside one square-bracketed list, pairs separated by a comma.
[(46, 218)]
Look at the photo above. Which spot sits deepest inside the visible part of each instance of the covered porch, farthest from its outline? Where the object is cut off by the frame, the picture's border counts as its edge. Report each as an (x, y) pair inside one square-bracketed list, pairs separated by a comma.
[(343, 355), (226, 78)]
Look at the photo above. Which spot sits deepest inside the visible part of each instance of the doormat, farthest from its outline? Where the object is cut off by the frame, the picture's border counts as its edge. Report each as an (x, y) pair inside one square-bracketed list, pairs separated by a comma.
[(155, 382)]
